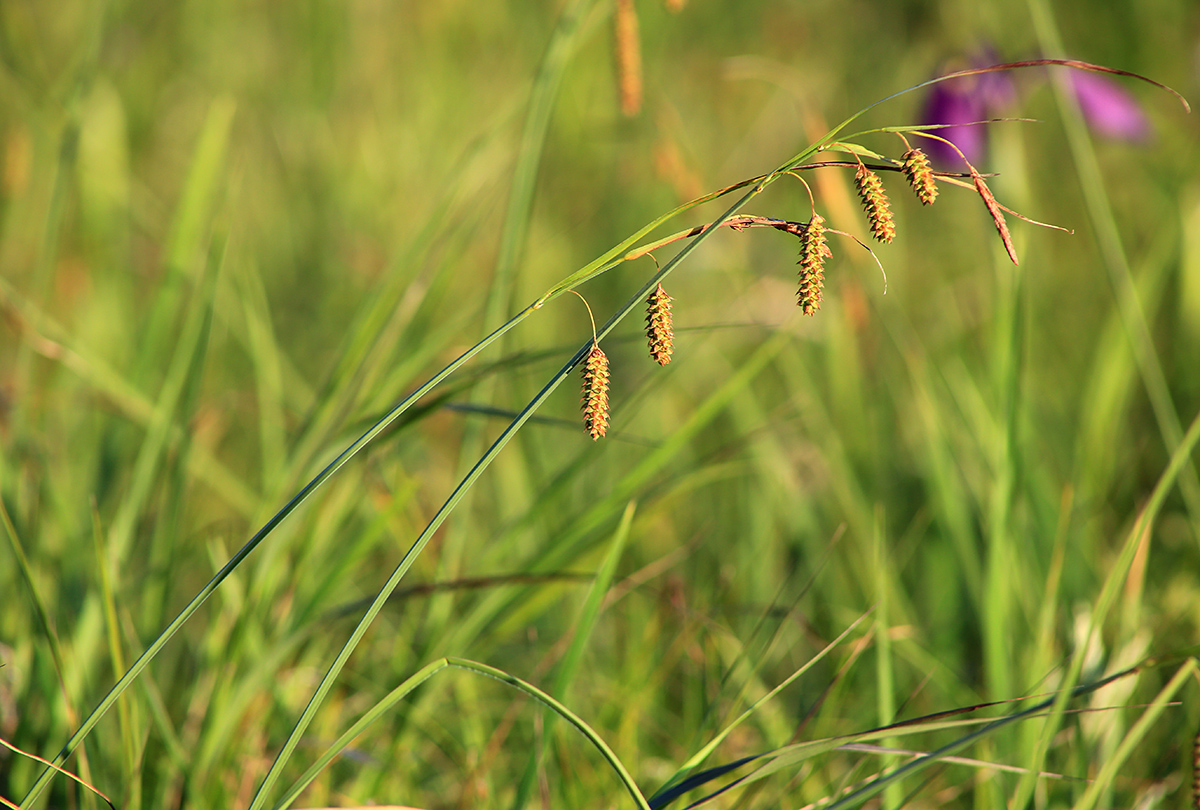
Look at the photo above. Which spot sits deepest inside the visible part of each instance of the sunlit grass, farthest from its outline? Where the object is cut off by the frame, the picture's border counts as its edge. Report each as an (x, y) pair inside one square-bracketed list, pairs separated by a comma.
[(234, 237)]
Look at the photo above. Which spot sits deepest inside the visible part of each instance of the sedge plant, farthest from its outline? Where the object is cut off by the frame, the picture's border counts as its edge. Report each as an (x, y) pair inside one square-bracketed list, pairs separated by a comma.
[(840, 149)]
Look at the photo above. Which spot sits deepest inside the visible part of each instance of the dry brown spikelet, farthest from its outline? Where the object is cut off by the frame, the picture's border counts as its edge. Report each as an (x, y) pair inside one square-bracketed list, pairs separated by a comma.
[(875, 203), (629, 57), (920, 175), (814, 250), (595, 393), (993, 208), (659, 325)]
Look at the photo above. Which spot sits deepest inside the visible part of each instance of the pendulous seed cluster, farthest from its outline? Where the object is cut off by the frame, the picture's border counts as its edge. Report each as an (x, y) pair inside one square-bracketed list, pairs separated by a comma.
[(814, 250), (875, 203), (920, 175), (661, 336), (595, 393), (659, 330), (629, 57)]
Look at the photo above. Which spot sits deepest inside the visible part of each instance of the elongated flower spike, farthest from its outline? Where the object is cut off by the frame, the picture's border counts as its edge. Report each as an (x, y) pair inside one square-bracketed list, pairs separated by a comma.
[(814, 250), (875, 203), (629, 57), (659, 331), (595, 393), (920, 175)]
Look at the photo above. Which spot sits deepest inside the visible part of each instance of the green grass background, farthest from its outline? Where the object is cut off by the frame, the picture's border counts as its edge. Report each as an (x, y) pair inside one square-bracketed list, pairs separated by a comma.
[(233, 234)]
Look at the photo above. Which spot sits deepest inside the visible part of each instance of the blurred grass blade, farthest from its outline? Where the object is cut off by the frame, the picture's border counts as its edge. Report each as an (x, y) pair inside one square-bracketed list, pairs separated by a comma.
[(48, 252), (393, 581), (1113, 583), (563, 44), (564, 673), (878, 784), (884, 664), (363, 723), (1108, 771), (186, 366), (39, 605), (264, 351), (146, 657), (566, 714), (1116, 260), (129, 719), (578, 536), (427, 672), (203, 186), (671, 788), (53, 341), (791, 755)]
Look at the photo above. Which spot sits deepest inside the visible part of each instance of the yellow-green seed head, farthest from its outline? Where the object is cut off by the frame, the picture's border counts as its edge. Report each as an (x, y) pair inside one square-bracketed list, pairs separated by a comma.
[(920, 175), (814, 250), (875, 203), (659, 329), (595, 393)]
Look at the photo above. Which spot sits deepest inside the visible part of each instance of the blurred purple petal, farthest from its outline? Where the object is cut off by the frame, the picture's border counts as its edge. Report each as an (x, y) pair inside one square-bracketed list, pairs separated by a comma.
[(956, 102), (996, 89), (1108, 108)]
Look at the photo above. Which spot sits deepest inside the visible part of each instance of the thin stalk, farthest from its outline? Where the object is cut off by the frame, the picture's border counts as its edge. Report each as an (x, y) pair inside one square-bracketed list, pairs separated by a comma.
[(884, 674), (448, 507), (200, 598)]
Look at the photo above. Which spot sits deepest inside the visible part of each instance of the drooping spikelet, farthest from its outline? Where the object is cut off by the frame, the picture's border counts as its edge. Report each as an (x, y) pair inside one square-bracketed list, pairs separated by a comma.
[(993, 208), (595, 393), (875, 203), (920, 175), (629, 57), (814, 250), (659, 330)]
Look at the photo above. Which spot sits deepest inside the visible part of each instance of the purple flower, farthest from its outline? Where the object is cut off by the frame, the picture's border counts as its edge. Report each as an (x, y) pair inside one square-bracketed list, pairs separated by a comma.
[(962, 102), (954, 102), (1108, 108)]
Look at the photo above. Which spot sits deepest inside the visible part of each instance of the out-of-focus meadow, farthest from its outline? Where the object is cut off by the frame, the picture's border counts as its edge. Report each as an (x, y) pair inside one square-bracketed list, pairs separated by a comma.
[(234, 234)]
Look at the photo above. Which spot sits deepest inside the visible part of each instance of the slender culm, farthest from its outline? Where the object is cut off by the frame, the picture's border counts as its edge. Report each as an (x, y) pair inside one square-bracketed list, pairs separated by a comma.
[(595, 393), (920, 176), (875, 203), (659, 327), (814, 250)]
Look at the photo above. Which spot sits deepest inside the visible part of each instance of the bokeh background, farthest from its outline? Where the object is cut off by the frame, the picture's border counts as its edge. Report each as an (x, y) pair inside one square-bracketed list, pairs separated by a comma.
[(233, 233)]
